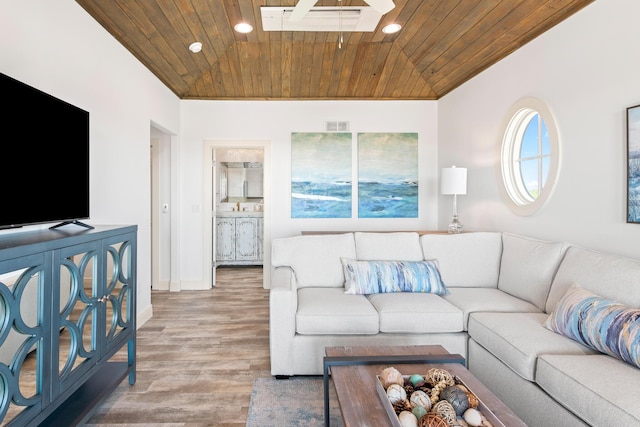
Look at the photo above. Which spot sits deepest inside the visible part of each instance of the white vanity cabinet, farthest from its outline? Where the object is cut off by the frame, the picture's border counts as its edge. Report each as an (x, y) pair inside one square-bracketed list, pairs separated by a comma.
[(239, 239)]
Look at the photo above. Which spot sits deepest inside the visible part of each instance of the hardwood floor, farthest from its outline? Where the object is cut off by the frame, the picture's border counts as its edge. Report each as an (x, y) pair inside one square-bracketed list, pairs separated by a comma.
[(197, 357)]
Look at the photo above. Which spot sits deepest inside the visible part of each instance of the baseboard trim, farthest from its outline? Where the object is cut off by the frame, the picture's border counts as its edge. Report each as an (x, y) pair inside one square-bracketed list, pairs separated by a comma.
[(194, 286), (144, 316)]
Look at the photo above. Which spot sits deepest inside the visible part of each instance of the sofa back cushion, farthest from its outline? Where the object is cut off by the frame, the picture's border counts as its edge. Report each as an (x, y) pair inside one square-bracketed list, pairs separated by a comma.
[(610, 276), (315, 259), (528, 267), (397, 246), (469, 260)]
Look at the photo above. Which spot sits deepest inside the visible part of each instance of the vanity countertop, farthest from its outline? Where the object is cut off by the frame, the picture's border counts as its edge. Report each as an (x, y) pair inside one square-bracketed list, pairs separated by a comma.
[(252, 214)]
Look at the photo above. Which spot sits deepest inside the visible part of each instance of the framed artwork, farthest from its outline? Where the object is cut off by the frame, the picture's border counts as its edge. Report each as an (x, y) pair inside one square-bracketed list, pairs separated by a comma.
[(633, 167), (321, 175), (387, 175)]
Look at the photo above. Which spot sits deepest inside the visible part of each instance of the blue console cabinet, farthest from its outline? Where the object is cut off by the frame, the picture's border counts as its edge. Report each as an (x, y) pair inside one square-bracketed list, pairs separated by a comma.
[(67, 322)]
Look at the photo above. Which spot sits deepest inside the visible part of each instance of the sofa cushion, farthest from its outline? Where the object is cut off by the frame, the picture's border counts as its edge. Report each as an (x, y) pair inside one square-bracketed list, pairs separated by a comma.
[(397, 246), (416, 313), (528, 267), (517, 339), (466, 259), (610, 276), (329, 311), (315, 259), (372, 277), (602, 324), (471, 300), (600, 388)]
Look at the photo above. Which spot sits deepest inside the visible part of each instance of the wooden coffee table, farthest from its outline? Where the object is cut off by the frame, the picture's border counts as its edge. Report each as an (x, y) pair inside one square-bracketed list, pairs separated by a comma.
[(354, 369)]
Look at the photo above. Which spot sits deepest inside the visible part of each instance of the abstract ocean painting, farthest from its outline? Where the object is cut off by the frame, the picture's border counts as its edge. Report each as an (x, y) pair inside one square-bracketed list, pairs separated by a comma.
[(633, 123), (387, 175), (321, 175)]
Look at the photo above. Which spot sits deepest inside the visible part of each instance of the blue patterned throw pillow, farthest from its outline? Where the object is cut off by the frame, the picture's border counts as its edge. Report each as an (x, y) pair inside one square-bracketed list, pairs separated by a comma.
[(373, 277), (604, 325)]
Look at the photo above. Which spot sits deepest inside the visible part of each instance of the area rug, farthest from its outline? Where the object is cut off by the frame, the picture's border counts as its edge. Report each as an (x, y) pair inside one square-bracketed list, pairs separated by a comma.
[(297, 401)]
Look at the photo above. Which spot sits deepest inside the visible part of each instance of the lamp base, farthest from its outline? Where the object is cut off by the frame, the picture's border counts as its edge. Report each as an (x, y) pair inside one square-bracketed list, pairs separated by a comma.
[(455, 226)]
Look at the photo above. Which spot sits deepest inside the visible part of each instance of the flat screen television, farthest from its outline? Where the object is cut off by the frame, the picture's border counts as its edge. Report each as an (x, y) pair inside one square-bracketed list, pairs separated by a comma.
[(44, 158)]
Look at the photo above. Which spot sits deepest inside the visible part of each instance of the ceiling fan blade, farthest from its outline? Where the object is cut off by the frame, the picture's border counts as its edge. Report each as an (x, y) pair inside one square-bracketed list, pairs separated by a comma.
[(381, 6), (301, 9)]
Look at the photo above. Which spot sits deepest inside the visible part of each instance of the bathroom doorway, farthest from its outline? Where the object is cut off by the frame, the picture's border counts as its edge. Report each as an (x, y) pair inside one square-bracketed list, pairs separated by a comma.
[(236, 194)]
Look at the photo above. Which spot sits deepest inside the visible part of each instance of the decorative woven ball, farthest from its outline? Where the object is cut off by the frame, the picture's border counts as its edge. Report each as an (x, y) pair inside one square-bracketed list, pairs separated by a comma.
[(420, 398), (437, 375), (446, 412), (432, 420), (390, 376), (457, 398), (396, 393)]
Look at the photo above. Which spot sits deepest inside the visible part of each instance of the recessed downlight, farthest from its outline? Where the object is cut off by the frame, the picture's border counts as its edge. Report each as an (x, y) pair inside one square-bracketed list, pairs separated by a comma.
[(243, 27), (195, 47), (391, 28)]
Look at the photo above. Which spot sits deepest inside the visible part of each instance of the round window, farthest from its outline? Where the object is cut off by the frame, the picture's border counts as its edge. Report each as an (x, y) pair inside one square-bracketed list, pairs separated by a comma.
[(530, 155)]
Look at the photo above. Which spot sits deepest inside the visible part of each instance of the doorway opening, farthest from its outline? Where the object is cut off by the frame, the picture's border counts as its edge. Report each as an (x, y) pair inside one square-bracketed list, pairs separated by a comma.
[(237, 224), (165, 270)]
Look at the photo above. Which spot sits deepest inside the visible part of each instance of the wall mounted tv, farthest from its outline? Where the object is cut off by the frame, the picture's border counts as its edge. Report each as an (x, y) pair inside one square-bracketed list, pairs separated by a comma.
[(44, 158)]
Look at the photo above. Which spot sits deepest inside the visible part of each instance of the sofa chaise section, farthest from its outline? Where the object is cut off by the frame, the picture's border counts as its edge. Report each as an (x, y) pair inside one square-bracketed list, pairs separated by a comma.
[(559, 380)]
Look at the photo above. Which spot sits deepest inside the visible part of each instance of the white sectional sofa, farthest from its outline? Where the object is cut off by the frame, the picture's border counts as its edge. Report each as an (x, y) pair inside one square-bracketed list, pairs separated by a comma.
[(502, 288)]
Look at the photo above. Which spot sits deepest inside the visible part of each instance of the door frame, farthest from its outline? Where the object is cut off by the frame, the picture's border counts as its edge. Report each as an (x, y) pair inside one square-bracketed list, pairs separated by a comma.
[(165, 243), (208, 215)]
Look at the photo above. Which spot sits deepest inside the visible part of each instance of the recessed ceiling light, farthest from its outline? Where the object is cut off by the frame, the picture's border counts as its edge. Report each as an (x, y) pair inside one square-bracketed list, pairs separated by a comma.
[(195, 47), (391, 28), (243, 27)]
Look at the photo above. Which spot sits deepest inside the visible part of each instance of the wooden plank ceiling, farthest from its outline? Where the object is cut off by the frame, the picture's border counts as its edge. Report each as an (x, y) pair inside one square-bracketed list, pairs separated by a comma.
[(442, 44)]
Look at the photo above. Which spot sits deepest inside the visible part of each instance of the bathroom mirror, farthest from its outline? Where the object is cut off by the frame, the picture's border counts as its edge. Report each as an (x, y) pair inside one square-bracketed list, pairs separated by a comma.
[(241, 180)]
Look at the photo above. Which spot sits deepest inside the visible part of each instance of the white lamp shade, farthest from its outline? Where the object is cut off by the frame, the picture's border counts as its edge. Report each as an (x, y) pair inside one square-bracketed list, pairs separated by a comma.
[(453, 181)]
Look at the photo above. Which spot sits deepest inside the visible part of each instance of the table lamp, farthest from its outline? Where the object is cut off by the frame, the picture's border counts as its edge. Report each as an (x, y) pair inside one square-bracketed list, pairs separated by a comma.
[(454, 181)]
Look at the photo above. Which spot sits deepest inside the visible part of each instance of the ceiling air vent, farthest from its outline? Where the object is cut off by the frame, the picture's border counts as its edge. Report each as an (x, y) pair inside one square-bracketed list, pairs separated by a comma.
[(337, 126), (322, 19)]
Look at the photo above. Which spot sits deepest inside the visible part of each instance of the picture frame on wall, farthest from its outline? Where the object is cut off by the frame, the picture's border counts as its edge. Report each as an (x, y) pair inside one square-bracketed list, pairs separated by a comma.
[(321, 165), (387, 175), (633, 164)]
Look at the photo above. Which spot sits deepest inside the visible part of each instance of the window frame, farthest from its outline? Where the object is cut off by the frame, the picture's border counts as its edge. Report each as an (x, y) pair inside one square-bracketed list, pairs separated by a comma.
[(513, 187)]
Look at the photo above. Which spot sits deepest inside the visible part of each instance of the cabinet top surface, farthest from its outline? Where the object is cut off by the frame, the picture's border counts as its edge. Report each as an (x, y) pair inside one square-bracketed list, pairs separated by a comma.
[(47, 239), (239, 214)]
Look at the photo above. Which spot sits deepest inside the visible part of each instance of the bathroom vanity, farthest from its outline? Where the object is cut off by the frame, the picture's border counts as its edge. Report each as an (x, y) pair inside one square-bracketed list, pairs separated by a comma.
[(239, 237)]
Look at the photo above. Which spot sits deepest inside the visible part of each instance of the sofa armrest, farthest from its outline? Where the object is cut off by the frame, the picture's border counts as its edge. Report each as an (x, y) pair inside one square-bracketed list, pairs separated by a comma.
[(283, 303)]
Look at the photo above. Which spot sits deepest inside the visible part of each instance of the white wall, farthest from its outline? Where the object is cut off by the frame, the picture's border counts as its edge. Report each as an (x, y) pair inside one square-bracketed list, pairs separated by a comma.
[(586, 69), (57, 47), (275, 121)]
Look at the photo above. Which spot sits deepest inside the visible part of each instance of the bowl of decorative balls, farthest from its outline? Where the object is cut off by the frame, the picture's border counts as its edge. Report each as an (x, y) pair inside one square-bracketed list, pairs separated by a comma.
[(434, 399)]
